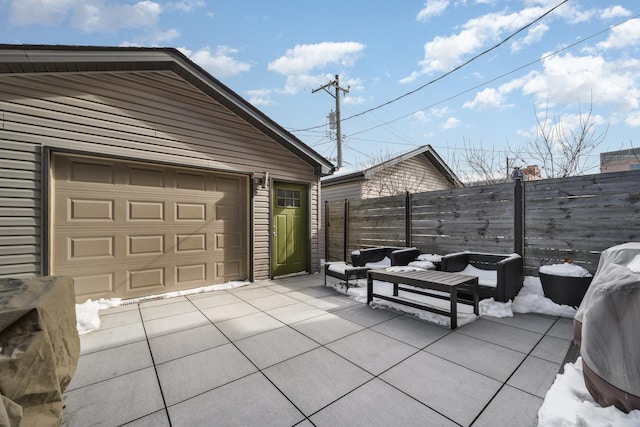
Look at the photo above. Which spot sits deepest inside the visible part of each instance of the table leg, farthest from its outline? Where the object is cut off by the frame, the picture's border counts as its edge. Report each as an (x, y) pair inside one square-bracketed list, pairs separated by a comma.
[(476, 297), (454, 307), (369, 289), (395, 289)]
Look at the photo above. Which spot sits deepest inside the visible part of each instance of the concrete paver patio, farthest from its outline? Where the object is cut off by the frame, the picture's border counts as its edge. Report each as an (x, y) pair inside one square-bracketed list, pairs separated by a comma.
[(292, 352)]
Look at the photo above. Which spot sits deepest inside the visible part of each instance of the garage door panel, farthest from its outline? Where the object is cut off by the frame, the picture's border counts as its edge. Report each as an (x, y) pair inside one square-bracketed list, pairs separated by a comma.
[(94, 284), (228, 184), (227, 212), (191, 211), (191, 242), (139, 210), (186, 274), (151, 230), (229, 270), (146, 245), (191, 181), (146, 279), (228, 241), (90, 247), (146, 177), (90, 209), (92, 172)]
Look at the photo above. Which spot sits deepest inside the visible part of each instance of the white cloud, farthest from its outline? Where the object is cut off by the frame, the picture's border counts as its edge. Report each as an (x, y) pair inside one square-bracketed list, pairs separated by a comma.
[(616, 11), (486, 99), (444, 53), (633, 119), (220, 63), (627, 34), (88, 16), (432, 8), (441, 112), (186, 5), (571, 79), (421, 117), (451, 123), (260, 97), (534, 35), (102, 16), (354, 100), (25, 12), (299, 64), (304, 58)]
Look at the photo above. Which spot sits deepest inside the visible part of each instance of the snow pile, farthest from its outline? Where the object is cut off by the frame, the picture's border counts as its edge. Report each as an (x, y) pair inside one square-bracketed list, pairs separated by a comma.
[(430, 257), (88, 319), (485, 277), (383, 263), (493, 308), (531, 299), (634, 265), (569, 403), (565, 269)]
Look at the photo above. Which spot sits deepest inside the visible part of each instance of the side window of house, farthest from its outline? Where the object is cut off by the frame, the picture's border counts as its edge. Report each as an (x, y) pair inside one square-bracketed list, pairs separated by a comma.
[(288, 199)]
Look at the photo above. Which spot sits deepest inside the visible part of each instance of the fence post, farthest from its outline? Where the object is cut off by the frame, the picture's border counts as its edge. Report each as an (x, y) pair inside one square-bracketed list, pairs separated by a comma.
[(345, 235), (326, 230), (518, 212), (407, 219)]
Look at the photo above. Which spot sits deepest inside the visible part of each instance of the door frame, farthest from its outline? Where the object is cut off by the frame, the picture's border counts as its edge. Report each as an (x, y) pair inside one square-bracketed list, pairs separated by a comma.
[(272, 205)]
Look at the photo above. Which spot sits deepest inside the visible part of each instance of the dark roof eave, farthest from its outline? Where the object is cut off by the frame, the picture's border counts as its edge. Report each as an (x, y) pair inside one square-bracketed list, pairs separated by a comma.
[(343, 179)]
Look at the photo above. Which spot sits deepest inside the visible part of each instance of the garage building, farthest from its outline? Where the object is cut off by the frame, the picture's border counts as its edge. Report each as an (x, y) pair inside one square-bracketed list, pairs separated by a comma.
[(136, 172)]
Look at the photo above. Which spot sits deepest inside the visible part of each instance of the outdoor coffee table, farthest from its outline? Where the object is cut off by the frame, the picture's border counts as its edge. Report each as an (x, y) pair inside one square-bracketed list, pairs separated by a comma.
[(428, 279)]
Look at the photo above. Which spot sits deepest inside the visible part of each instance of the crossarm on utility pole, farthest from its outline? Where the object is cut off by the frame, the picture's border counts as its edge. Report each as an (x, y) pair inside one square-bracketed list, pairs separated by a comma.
[(336, 84)]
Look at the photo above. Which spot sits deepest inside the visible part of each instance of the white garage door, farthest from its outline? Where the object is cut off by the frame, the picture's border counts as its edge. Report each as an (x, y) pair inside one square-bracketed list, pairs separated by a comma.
[(126, 229)]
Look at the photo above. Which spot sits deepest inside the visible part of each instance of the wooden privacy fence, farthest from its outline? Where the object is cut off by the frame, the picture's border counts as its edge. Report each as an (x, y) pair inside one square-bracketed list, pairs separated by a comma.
[(574, 218)]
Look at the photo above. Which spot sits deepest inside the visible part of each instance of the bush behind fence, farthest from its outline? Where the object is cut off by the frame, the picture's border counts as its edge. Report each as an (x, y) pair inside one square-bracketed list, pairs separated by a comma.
[(575, 218)]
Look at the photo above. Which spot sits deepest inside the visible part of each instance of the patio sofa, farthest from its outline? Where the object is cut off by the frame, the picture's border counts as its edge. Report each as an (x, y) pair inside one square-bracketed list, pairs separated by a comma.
[(366, 259), (399, 255), (500, 275)]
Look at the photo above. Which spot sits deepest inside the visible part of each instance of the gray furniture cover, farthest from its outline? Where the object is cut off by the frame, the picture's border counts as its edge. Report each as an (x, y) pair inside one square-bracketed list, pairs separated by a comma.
[(606, 329)]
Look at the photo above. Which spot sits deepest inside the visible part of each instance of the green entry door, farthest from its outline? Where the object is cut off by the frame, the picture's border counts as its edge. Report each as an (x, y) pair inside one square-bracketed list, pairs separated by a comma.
[(290, 234)]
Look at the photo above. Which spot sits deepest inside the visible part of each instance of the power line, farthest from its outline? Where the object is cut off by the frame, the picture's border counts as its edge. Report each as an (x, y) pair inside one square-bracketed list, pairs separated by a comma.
[(501, 76), (464, 64)]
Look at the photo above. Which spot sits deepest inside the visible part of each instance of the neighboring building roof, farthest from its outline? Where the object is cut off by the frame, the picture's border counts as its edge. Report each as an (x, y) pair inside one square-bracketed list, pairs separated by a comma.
[(22, 59), (368, 173)]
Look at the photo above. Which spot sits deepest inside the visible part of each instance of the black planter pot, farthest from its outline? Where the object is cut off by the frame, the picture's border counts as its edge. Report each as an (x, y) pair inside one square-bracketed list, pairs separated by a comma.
[(563, 289)]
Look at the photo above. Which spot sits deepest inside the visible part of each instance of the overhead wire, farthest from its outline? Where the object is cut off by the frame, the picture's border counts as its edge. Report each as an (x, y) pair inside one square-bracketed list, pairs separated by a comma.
[(448, 73), (501, 76)]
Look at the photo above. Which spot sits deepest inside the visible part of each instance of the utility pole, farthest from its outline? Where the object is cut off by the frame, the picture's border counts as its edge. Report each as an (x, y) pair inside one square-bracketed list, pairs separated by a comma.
[(336, 84)]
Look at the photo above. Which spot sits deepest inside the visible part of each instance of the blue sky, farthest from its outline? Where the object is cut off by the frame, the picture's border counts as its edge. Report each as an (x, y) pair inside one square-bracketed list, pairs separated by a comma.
[(275, 53)]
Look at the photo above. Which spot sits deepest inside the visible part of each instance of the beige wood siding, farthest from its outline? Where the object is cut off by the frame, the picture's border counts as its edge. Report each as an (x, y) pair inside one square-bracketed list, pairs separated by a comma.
[(415, 175), (19, 209), (349, 190), (150, 116)]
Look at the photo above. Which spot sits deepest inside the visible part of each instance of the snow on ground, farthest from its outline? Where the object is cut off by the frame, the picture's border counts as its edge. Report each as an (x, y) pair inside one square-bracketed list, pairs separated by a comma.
[(88, 319), (568, 403)]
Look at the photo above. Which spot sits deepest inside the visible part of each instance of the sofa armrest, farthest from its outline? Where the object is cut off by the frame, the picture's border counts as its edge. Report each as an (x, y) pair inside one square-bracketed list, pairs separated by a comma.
[(404, 256), (511, 277), (455, 262), (365, 256)]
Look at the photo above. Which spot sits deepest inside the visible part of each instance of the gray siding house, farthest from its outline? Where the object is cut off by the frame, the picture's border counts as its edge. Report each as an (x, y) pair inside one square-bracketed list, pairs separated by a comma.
[(136, 172), (419, 170)]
